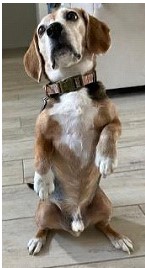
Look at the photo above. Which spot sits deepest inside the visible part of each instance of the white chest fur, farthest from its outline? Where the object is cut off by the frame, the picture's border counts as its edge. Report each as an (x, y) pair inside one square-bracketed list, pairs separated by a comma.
[(75, 114)]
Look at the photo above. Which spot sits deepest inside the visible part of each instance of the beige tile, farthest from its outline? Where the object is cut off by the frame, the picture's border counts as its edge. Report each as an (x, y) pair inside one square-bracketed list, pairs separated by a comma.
[(17, 150), (12, 172), (28, 170), (130, 108), (19, 134), (132, 134), (125, 188), (131, 158), (126, 117), (19, 108), (91, 246), (28, 121), (131, 103), (9, 96), (19, 87), (9, 123), (19, 202), (32, 92), (128, 263), (15, 92)]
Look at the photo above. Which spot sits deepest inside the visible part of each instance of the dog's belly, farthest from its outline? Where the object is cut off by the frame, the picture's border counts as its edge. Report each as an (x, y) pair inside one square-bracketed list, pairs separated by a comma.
[(75, 115)]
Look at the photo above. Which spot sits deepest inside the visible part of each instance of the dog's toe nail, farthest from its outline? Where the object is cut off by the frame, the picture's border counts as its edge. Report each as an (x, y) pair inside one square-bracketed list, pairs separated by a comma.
[(34, 246)]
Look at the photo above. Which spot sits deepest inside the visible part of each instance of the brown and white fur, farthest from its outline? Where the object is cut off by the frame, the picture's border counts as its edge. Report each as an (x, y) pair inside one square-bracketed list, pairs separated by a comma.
[(76, 135)]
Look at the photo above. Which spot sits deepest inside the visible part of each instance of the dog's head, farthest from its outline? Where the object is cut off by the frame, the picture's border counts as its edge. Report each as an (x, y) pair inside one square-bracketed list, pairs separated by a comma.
[(63, 39)]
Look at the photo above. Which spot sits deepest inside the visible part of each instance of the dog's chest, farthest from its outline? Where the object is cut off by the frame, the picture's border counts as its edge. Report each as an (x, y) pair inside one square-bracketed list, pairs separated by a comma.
[(75, 114)]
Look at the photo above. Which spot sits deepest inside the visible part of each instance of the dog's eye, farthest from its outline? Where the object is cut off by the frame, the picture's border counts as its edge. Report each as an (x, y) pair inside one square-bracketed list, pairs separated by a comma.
[(71, 16), (41, 30)]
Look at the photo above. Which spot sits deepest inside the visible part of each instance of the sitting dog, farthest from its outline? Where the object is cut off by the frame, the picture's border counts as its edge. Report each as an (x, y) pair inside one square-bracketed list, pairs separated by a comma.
[(77, 131)]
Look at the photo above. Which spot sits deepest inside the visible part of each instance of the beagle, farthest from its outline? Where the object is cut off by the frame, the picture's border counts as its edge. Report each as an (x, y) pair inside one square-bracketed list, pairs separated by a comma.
[(77, 131)]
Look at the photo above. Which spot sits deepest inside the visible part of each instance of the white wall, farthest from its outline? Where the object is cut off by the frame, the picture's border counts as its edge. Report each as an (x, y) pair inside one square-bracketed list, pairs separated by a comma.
[(124, 63), (41, 10)]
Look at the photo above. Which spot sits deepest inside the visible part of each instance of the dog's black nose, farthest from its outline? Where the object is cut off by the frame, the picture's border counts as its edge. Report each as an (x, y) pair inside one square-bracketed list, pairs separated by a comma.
[(54, 30)]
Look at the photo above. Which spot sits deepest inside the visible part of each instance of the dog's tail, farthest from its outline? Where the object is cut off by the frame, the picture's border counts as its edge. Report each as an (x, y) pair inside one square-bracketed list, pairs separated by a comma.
[(31, 186)]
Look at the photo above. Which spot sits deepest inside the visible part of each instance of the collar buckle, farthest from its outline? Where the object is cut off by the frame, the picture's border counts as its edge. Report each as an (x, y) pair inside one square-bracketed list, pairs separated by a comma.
[(71, 84)]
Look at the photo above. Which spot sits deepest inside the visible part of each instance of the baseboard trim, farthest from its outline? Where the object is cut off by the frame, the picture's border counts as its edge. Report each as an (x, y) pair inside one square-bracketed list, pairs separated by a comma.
[(116, 92)]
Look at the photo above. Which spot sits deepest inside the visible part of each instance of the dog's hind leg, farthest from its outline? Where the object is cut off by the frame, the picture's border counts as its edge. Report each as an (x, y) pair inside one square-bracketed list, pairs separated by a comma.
[(119, 241), (48, 218), (99, 214)]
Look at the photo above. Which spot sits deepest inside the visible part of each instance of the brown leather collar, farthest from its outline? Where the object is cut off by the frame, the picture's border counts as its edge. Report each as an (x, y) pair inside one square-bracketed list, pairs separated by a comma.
[(70, 84)]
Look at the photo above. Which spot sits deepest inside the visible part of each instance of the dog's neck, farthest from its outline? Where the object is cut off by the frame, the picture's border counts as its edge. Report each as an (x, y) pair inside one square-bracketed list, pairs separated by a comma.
[(70, 84), (86, 65)]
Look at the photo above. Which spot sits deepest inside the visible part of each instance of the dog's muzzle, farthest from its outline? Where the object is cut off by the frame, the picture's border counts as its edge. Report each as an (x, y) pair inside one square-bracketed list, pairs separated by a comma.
[(60, 46)]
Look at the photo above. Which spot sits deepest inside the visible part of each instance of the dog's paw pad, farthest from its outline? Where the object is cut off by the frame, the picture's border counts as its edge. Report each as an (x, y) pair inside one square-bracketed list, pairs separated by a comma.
[(123, 243), (34, 245)]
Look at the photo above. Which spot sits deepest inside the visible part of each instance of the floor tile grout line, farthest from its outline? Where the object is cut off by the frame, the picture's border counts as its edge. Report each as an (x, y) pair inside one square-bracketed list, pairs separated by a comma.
[(141, 208), (21, 218), (13, 185), (23, 171), (95, 262), (130, 205), (13, 160), (20, 140), (125, 146)]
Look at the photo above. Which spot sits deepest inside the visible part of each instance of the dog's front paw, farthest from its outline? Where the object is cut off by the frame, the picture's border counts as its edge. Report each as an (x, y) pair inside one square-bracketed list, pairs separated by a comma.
[(106, 165), (42, 187), (50, 186)]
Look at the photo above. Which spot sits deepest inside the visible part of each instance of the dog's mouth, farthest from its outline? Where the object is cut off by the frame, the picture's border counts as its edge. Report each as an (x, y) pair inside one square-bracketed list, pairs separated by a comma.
[(63, 54)]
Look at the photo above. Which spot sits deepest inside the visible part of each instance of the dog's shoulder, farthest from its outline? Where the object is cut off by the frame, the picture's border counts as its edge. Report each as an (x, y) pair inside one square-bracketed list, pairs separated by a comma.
[(106, 109), (97, 91), (45, 124)]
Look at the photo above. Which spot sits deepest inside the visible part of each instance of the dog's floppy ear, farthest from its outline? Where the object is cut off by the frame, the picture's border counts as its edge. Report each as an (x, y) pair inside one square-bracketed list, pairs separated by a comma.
[(33, 61), (97, 35)]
